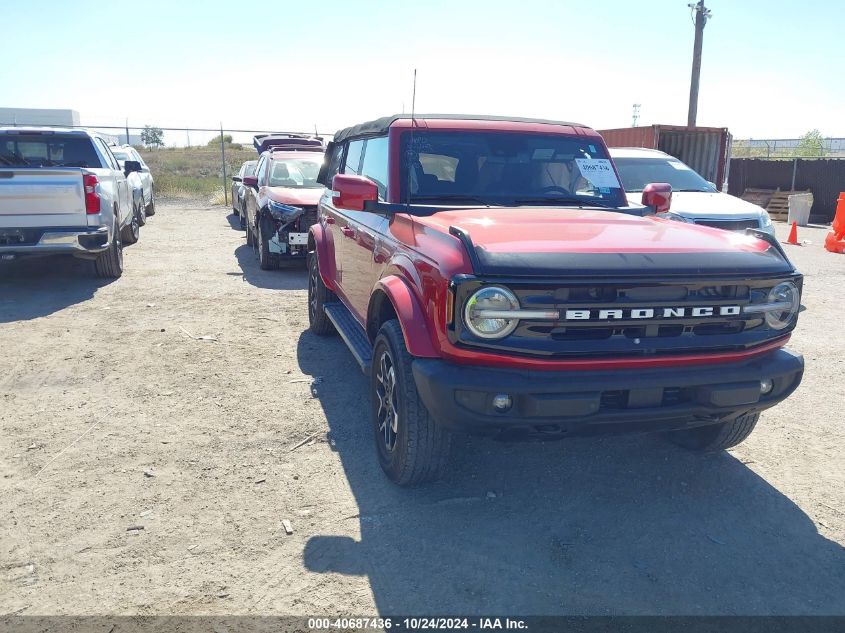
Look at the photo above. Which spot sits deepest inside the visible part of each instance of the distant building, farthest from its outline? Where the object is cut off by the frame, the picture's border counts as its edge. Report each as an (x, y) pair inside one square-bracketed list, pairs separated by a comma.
[(38, 116)]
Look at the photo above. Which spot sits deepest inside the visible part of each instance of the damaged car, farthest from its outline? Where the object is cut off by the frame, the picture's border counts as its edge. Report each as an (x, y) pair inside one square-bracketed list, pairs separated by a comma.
[(281, 202)]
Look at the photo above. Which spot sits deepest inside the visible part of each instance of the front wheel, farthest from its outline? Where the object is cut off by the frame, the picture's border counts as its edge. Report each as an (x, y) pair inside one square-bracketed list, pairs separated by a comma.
[(266, 259), (716, 437), (142, 212), (250, 236), (318, 297), (132, 231), (151, 208), (412, 448)]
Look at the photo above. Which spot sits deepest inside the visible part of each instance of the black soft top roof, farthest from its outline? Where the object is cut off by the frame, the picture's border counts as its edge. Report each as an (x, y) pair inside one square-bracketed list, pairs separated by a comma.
[(379, 127)]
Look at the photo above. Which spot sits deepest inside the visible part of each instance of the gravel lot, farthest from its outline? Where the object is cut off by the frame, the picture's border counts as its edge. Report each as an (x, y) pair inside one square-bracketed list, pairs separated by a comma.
[(146, 470)]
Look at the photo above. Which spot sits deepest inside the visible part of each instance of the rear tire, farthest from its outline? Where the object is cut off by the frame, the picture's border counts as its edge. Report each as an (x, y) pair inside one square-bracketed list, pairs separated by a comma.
[(109, 264), (151, 208), (318, 297), (266, 259), (412, 448), (716, 437)]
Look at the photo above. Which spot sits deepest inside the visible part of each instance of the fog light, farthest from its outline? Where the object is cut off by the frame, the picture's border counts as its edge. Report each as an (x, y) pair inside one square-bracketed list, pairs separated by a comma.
[(502, 402), (766, 385)]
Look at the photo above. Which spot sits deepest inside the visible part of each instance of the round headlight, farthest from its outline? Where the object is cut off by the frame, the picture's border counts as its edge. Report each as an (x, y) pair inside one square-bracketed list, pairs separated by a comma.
[(785, 301), (483, 312)]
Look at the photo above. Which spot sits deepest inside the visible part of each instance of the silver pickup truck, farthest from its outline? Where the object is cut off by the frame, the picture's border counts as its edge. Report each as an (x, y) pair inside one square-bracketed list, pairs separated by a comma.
[(63, 192)]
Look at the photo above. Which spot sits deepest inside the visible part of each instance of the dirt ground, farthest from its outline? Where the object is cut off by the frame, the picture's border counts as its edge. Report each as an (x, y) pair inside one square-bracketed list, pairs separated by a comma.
[(148, 470)]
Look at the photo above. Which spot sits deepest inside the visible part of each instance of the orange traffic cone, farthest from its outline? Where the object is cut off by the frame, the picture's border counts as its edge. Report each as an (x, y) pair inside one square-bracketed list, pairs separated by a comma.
[(793, 235), (835, 240)]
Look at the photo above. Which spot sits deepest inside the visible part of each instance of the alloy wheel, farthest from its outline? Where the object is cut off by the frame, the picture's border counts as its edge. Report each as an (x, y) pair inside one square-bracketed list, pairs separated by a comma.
[(387, 395)]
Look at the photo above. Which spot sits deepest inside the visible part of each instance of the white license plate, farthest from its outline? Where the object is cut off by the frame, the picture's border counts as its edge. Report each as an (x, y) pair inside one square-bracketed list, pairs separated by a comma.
[(297, 239)]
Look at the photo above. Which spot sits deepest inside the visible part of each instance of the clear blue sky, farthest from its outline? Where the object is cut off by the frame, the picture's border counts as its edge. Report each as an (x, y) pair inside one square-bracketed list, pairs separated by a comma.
[(771, 68)]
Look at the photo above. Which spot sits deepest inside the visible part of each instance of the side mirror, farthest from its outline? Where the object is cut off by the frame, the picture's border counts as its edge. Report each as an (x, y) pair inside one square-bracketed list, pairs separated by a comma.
[(131, 165), (658, 195), (250, 181), (352, 192), (236, 179)]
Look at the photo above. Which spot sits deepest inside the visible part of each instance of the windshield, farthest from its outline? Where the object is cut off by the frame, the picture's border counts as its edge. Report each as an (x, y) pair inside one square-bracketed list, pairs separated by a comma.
[(636, 173), (507, 168), (47, 150), (296, 173)]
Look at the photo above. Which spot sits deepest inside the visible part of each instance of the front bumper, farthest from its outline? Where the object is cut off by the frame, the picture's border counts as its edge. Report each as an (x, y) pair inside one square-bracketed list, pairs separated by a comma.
[(80, 242), (564, 403)]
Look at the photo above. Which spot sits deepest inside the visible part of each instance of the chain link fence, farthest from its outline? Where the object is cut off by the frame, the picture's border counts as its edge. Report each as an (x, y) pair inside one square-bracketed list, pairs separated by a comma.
[(784, 148), (186, 162)]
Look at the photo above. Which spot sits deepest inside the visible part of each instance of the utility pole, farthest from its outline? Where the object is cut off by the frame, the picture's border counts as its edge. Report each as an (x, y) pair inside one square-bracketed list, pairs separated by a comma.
[(701, 16), (636, 115), (127, 130)]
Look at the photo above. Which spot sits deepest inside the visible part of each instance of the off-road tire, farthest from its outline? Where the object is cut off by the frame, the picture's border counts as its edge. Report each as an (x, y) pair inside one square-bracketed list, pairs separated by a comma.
[(130, 233), (716, 437), (109, 263), (318, 297), (266, 259), (421, 447)]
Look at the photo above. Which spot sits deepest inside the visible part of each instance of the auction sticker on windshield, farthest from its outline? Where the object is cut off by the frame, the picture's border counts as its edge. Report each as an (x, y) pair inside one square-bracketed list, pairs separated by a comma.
[(598, 171)]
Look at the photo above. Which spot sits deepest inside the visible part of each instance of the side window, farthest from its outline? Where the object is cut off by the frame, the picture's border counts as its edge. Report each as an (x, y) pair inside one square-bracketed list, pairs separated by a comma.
[(374, 166), (110, 159), (262, 169), (352, 165), (137, 156)]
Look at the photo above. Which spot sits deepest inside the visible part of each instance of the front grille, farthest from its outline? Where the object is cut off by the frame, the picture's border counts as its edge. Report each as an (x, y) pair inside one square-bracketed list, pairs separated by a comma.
[(680, 318), (730, 225), (307, 219)]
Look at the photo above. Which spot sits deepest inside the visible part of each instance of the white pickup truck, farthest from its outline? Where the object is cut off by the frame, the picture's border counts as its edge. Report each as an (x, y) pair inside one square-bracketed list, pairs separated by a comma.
[(63, 192)]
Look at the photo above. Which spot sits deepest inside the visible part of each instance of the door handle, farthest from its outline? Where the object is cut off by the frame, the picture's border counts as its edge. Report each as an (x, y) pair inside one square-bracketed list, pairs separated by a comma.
[(347, 231)]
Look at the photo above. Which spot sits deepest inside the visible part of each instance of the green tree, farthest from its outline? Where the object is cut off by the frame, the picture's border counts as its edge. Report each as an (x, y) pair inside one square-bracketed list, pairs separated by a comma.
[(152, 136), (227, 139), (812, 144)]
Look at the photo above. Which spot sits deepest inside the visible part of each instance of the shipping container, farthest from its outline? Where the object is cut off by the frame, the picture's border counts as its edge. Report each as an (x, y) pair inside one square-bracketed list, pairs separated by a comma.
[(706, 149)]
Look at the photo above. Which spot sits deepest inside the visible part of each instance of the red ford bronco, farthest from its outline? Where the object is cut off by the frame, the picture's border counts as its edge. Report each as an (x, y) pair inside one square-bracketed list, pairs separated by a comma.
[(489, 277)]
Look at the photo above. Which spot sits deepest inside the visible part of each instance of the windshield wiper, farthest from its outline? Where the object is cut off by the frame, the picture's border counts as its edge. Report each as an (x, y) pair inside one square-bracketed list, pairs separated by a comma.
[(694, 191), (564, 200), (454, 198)]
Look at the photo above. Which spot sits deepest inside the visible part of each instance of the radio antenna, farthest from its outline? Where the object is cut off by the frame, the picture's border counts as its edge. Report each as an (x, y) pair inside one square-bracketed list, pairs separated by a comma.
[(410, 151)]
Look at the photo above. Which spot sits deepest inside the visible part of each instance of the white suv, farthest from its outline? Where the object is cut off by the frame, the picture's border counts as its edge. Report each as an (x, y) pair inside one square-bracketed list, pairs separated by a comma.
[(694, 200)]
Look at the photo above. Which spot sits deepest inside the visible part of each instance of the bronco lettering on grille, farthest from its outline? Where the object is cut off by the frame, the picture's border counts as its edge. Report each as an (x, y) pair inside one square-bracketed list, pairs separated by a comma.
[(611, 314)]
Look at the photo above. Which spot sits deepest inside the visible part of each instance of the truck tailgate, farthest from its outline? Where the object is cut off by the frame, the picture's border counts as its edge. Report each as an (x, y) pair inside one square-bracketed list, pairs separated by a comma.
[(41, 197)]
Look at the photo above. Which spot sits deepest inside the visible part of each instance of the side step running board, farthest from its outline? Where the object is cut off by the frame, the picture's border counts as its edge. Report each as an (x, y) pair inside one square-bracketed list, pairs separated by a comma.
[(352, 334)]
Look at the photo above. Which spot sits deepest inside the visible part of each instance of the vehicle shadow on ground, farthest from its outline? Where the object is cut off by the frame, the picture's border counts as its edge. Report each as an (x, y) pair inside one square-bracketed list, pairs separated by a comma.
[(234, 221), (292, 276), (32, 288), (625, 525)]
